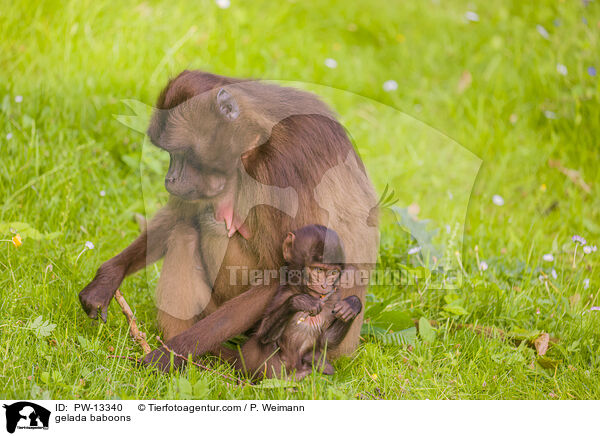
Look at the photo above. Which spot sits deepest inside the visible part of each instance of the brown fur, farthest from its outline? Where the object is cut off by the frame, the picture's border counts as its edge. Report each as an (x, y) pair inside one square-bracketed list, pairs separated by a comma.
[(283, 138), (303, 319)]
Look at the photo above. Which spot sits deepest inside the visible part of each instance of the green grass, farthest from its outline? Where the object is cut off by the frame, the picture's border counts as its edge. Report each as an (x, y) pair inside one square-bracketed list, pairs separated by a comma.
[(73, 63)]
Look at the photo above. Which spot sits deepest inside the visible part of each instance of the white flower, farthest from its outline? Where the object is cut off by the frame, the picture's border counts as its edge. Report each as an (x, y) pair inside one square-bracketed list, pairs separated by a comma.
[(586, 283), (483, 265), (88, 246), (542, 31), (550, 115), (19, 98), (554, 274), (331, 63), (9, 136), (589, 249), (223, 4), (102, 193), (562, 69), (471, 16), (390, 85), (414, 250), (548, 257), (498, 201)]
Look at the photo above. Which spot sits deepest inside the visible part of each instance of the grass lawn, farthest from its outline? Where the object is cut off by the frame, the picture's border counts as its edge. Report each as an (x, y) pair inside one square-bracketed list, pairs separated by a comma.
[(489, 131)]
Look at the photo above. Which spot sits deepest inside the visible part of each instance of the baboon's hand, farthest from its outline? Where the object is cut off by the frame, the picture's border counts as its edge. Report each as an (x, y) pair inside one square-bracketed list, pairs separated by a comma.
[(96, 296), (347, 309), (307, 303), (161, 359)]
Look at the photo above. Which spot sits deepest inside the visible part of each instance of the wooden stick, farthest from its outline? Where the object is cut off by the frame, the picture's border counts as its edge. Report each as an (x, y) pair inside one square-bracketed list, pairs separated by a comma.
[(137, 335), (495, 332), (573, 175), (133, 359), (140, 338)]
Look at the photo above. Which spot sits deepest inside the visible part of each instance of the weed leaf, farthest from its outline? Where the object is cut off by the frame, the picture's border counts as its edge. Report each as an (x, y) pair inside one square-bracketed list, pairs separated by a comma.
[(426, 332)]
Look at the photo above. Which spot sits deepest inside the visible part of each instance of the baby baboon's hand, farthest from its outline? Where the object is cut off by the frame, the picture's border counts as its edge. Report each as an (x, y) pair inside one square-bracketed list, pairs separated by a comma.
[(348, 308), (307, 303)]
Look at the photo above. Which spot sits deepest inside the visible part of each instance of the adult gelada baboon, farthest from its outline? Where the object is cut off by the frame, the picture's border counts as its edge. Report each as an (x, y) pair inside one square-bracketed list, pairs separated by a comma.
[(250, 162)]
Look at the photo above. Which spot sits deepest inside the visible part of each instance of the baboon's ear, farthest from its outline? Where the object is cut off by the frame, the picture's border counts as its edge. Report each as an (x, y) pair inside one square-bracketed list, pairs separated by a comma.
[(157, 124), (288, 246), (227, 105)]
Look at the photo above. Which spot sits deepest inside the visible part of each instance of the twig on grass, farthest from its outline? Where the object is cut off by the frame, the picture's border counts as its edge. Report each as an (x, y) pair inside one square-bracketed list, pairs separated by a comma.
[(133, 359), (140, 338), (134, 331), (541, 341), (572, 175)]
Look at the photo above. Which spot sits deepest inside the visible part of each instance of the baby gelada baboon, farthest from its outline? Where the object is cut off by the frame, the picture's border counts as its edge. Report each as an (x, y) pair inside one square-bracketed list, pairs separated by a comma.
[(307, 313)]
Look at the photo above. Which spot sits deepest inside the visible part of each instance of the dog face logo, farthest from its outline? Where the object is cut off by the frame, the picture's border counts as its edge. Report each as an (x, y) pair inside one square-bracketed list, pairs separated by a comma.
[(26, 415)]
